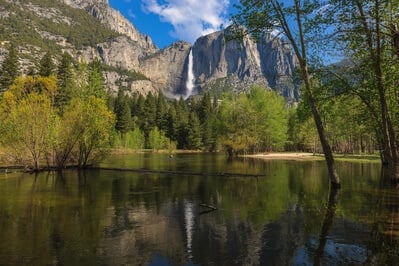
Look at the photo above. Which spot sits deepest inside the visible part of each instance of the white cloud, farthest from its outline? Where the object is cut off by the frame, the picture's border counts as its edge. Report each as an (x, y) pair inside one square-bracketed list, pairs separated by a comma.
[(190, 18), (131, 13)]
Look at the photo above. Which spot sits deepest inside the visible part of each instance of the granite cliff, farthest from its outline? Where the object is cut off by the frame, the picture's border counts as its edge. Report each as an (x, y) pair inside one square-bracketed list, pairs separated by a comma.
[(217, 63)]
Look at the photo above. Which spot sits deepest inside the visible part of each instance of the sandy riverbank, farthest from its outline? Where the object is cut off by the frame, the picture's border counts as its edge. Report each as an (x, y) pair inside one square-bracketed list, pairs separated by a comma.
[(286, 156)]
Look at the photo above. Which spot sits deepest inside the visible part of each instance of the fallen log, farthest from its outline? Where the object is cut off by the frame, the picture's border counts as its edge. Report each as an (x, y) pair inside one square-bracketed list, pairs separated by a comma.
[(151, 171)]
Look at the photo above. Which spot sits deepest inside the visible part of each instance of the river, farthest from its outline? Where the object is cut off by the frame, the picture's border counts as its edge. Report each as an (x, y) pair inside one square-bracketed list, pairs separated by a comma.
[(280, 214)]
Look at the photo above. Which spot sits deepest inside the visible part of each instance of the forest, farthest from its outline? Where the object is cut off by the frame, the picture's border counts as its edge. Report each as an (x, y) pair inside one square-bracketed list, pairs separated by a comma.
[(62, 114)]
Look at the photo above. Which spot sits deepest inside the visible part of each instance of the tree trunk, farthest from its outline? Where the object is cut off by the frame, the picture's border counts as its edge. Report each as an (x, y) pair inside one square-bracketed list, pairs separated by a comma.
[(300, 52), (332, 171), (388, 130)]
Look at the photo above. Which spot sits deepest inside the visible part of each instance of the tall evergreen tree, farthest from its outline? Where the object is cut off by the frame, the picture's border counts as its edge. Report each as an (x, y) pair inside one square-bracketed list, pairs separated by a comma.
[(46, 66), (63, 69), (65, 81), (9, 69), (161, 112), (122, 112), (96, 81), (149, 115), (194, 132)]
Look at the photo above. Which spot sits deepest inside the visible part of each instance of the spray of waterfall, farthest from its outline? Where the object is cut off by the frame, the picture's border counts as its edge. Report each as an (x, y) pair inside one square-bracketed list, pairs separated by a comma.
[(190, 76)]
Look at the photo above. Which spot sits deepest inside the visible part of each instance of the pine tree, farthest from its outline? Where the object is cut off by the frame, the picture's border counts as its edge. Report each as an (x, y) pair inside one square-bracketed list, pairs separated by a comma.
[(194, 132), (148, 119), (122, 112), (9, 69), (47, 66), (63, 69), (161, 112), (96, 81), (65, 81)]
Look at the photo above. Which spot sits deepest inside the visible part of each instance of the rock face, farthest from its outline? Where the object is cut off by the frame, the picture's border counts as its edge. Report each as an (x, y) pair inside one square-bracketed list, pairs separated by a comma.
[(223, 64), (218, 63), (242, 63), (167, 69)]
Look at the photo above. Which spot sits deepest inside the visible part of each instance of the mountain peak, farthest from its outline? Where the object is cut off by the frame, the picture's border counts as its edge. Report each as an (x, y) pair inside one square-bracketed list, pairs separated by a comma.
[(101, 10)]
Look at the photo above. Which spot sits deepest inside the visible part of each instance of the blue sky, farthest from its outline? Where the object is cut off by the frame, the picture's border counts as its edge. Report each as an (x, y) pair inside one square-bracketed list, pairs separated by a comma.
[(166, 21)]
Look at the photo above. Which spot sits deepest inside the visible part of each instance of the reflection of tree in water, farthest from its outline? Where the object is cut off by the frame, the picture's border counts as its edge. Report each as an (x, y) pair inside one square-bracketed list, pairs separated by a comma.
[(282, 238), (384, 241), (327, 224)]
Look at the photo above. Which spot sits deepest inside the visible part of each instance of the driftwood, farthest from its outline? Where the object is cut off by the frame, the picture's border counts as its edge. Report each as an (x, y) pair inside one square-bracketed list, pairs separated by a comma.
[(208, 206), (7, 169), (145, 170)]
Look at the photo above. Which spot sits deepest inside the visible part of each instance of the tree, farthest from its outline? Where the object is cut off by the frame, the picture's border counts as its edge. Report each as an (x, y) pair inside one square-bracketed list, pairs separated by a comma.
[(96, 81), (253, 122), (122, 112), (194, 140), (46, 66), (9, 69), (148, 118), (131, 140), (258, 17), (65, 81), (161, 114), (157, 139), (28, 129), (93, 125), (367, 30)]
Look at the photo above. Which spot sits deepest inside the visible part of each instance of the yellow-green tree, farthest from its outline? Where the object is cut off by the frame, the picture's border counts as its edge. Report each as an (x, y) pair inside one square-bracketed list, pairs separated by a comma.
[(93, 123), (33, 129), (28, 129)]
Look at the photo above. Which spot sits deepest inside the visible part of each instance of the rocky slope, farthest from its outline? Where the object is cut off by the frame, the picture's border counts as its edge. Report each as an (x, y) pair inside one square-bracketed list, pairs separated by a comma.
[(218, 63)]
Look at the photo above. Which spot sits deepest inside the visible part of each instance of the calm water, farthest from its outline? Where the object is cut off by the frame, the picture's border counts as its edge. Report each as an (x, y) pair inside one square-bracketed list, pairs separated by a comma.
[(283, 217)]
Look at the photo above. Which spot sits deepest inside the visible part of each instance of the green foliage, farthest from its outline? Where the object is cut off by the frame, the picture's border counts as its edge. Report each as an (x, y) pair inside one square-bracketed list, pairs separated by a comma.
[(47, 66), (130, 140), (194, 138), (127, 75), (122, 112), (96, 124), (253, 122), (157, 139), (39, 125), (9, 68), (65, 81), (84, 30), (27, 131)]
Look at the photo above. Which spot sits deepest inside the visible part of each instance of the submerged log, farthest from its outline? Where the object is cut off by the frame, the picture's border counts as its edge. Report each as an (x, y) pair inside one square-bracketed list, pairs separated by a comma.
[(208, 206), (145, 170)]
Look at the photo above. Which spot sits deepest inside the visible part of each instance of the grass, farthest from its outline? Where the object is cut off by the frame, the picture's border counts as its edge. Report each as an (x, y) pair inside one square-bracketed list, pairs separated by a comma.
[(361, 158)]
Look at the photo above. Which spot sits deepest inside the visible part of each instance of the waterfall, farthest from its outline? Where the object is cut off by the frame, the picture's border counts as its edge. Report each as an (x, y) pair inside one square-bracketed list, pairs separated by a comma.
[(190, 75)]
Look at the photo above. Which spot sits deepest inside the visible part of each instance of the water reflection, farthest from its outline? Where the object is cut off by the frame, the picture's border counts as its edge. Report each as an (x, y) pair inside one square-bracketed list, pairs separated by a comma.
[(327, 224), (116, 218), (189, 224)]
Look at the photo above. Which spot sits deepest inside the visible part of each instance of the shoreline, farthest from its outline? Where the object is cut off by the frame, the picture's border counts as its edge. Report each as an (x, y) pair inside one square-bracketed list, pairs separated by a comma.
[(295, 156)]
